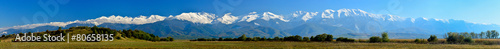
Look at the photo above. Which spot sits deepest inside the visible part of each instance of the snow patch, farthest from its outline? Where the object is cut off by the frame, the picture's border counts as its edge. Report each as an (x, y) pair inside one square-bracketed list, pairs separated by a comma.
[(306, 15), (412, 20), (309, 15), (203, 18), (328, 13), (252, 16), (227, 19), (268, 15)]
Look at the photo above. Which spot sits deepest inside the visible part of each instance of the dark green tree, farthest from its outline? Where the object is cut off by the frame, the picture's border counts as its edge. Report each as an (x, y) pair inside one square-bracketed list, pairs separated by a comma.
[(384, 37), (494, 34), (454, 37), (489, 34), (263, 38), (248, 39), (29, 33), (293, 38), (468, 40), (256, 39), (228, 39), (242, 37), (59, 28), (164, 39), (473, 35), (220, 39), (276, 38), (342, 39), (306, 39), (129, 33), (481, 35), (170, 38), (375, 39), (323, 37), (329, 38), (417, 40), (433, 38)]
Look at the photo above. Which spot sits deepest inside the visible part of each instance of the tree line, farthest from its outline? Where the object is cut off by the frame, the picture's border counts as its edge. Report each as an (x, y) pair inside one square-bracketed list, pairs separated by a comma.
[(490, 34), (464, 37), (384, 38), (138, 34), (321, 37), (318, 38), (452, 37)]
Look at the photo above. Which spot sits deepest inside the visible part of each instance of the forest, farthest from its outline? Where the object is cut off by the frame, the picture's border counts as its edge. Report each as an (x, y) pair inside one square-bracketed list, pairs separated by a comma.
[(450, 38)]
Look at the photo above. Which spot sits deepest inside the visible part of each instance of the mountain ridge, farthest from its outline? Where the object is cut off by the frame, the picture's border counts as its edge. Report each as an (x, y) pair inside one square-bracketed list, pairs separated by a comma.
[(342, 22)]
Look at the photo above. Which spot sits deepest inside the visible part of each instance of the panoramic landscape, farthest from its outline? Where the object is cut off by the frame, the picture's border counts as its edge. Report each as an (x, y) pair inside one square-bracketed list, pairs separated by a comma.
[(250, 24)]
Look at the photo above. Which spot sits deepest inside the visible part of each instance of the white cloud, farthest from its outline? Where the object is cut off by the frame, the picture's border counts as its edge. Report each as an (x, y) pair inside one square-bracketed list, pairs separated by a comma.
[(97, 21), (203, 18), (256, 24), (268, 15), (252, 16), (227, 19)]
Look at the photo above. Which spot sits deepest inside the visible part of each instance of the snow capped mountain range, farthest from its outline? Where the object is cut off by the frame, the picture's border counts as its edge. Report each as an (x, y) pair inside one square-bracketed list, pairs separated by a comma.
[(342, 22), (97, 21)]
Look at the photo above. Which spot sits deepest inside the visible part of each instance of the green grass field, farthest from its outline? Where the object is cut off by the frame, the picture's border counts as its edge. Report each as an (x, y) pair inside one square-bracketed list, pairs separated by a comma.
[(182, 44)]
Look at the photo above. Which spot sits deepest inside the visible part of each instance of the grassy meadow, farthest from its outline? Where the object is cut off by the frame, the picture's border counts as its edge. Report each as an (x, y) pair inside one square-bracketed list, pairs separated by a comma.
[(183, 44)]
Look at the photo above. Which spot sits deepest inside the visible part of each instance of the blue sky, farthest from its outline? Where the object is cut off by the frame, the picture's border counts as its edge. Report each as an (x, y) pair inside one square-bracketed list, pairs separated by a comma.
[(21, 12)]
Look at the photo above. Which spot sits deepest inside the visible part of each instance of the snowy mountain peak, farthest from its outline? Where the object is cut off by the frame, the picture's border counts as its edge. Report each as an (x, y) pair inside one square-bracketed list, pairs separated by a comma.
[(328, 13), (227, 19), (305, 15), (250, 17), (203, 18), (268, 15), (97, 21)]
